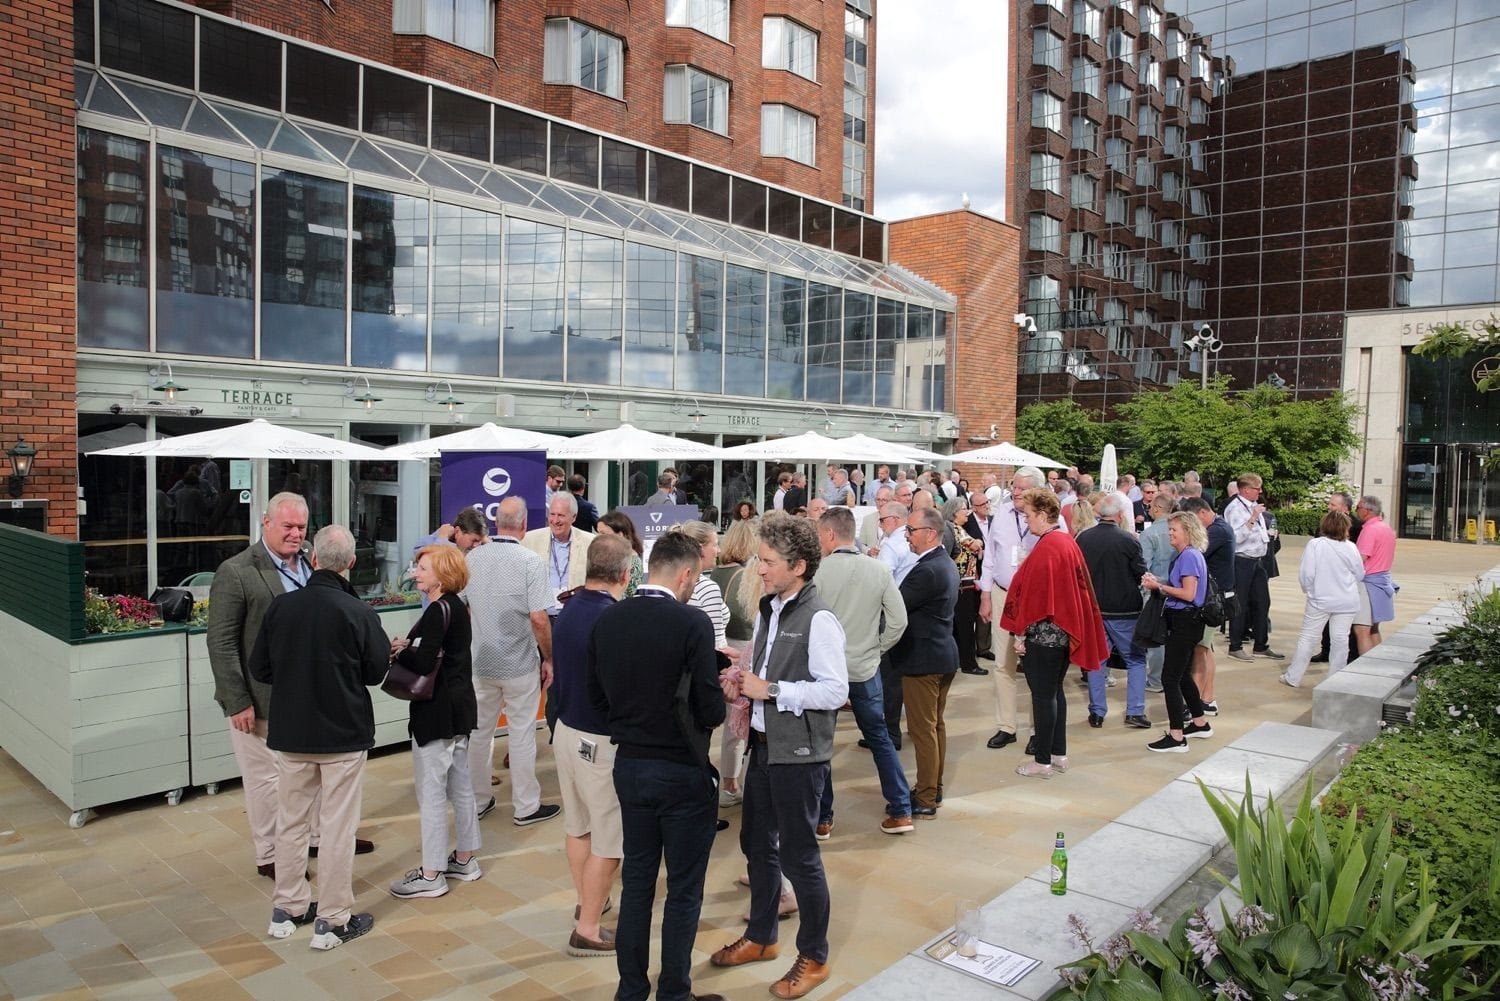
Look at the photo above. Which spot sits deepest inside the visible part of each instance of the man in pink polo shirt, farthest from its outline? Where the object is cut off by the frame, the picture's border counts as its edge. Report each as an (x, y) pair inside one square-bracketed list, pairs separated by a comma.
[(1377, 597)]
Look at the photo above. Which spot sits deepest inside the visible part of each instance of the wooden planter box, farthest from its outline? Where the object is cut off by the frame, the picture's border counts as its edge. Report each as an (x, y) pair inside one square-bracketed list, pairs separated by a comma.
[(98, 720)]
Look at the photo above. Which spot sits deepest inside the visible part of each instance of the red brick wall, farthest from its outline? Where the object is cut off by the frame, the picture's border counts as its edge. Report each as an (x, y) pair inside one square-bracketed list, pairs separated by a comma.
[(515, 74), (38, 370), (977, 259)]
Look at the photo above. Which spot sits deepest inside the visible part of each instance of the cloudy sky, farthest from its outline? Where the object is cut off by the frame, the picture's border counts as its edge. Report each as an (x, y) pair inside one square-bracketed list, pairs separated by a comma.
[(939, 106)]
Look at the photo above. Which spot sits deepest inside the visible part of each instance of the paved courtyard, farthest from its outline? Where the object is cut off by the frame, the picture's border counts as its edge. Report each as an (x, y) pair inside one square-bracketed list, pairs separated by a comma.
[(153, 901)]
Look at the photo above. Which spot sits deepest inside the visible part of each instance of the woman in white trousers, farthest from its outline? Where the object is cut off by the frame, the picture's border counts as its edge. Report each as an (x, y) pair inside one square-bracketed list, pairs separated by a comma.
[(1330, 574)]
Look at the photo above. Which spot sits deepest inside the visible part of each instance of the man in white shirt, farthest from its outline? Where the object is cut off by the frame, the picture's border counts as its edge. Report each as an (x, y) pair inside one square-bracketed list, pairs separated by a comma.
[(783, 484), (1008, 543), (1252, 538), (869, 528), (797, 679), (883, 478), (891, 547)]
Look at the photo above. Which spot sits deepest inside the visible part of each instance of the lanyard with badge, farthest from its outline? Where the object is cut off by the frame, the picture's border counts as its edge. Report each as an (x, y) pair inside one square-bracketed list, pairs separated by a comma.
[(295, 580), (1018, 551)]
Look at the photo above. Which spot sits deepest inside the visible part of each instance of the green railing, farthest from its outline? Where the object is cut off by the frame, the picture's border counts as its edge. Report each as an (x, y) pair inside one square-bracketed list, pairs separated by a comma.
[(42, 581)]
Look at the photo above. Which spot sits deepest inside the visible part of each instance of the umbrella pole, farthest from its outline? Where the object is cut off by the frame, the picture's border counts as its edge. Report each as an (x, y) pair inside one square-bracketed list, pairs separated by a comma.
[(152, 529)]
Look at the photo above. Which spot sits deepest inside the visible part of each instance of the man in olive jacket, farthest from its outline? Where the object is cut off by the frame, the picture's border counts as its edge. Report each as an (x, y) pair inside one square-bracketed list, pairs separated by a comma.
[(241, 592), (320, 647)]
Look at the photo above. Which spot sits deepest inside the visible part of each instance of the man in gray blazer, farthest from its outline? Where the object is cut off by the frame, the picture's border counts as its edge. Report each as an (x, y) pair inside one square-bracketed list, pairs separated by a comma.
[(241, 592)]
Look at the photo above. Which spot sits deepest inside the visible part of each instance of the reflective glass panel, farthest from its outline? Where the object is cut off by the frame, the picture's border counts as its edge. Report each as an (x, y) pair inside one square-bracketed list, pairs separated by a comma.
[(83, 31), (817, 223), (460, 124), (823, 336), (595, 270), (239, 64), (700, 323), (112, 241), (785, 215), (465, 290), (942, 334), (533, 300), (389, 327), (745, 331), (520, 140), (302, 246), (650, 315), (667, 181), (624, 169), (786, 338), (859, 349), (205, 254), (395, 106), (749, 204), (889, 319), (918, 354), (575, 156), (147, 39), (710, 193), (846, 233), (322, 87)]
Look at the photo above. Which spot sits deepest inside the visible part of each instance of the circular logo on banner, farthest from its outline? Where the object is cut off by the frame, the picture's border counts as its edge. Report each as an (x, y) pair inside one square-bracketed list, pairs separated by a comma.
[(496, 482)]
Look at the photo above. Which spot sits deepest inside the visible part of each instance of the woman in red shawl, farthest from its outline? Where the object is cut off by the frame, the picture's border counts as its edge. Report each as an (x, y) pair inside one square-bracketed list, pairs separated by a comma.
[(1051, 611)]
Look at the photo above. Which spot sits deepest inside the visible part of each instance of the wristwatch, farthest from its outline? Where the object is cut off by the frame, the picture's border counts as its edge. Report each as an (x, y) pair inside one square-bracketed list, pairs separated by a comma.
[(773, 690)]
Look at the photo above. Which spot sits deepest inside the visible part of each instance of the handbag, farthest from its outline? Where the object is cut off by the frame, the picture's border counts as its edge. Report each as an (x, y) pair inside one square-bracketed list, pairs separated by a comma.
[(1215, 609), (175, 603), (1151, 624), (403, 683)]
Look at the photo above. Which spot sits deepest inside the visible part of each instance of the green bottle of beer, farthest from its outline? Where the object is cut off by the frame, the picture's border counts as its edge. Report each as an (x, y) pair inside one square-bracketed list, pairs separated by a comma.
[(1059, 867)]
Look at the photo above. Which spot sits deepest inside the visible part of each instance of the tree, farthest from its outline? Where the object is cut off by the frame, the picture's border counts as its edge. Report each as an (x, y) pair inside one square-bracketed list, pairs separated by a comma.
[(1456, 340), (1062, 430), (1291, 443)]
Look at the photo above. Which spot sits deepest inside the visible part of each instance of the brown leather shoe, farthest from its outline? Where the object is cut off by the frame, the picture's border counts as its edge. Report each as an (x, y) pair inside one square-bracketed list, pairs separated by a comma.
[(742, 951), (268, 870), (804, 975)]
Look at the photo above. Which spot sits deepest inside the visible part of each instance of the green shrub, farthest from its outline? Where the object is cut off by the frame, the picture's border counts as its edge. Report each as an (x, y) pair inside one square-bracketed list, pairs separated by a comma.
[(1298, 520), (1475, 639), (1460, 703)]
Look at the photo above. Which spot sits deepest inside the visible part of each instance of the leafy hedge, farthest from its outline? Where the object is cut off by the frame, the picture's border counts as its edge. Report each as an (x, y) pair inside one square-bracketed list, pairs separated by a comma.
[(1298, 520)]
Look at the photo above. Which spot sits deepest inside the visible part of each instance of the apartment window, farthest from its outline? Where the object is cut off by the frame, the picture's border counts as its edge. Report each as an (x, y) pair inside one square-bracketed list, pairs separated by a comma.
[(1046, 111), (1171, 186), (1088, 20), (1128, 6), (708, 16), (1177, 47), (1148, 72), (1086, 76), (1083, 302), (1061, 6), (468, 23), (1040, 288), (1085, 134), (1120, 45), (1083, 248), (1046, 173), (1145, 172), (1172, 140), (854, 115), (1198, 202), (1114, 207), (1151, 22), (1170, 232), (856, 48), (1083, 192), (1147, 121), (1045, 233), (1196, 155), (1171, 284), (785, 131), (1143, 276), (1176, 91), (787, 45), (1198, 111), (1145, 221), (1046, 49), (1116, 261), (586, 57), (1114, 318), (1198, 248), (693, 97), (1195, 289), (854, 175), (1120, 98), (1117, 155), (1202, 69)]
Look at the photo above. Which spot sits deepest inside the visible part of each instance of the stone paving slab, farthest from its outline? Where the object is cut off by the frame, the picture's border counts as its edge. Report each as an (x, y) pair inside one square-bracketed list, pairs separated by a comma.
[(1156, 861), (1284, 740), (1181, 809)]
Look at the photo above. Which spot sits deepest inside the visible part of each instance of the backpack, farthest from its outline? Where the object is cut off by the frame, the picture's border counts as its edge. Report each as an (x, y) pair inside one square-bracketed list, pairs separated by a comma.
[(1215, 610)]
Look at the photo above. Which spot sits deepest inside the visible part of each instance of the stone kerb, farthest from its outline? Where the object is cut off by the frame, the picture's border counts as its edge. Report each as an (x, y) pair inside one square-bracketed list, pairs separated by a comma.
[(1133, 863)]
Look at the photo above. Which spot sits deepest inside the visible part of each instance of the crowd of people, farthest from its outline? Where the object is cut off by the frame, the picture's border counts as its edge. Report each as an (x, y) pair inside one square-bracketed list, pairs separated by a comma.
[(765, 634)]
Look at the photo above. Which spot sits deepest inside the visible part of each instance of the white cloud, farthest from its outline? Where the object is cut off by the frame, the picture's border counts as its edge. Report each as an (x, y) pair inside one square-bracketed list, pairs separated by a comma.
[(941, 94)]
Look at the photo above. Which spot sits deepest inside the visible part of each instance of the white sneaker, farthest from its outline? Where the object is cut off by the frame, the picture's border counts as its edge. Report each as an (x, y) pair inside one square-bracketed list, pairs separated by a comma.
[(415, 884), (465, 871), (1210, 709), (1287, 681)]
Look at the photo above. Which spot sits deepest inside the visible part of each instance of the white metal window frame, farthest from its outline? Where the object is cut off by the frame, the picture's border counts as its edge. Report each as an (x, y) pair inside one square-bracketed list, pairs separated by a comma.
[(693, 97), (787, 45), (708, 16), (572, 55), (788, 132)]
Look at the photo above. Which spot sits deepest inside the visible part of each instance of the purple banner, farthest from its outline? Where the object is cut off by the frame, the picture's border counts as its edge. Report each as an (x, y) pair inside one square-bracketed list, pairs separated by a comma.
[(483, 479), (653, 522)]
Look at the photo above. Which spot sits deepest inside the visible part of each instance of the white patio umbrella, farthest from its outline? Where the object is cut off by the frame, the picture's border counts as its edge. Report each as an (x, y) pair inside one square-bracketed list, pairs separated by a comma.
[(129, 434), (1005, 454), (488, 437), (628, 442), (890, 451), (807, 447), (257, 439)]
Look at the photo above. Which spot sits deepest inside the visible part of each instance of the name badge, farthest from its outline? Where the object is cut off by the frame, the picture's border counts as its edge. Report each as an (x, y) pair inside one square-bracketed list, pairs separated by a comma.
[(1017, 554)]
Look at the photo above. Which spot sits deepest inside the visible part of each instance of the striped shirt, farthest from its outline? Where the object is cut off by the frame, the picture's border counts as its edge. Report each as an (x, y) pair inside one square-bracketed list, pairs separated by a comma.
[(707, 596)]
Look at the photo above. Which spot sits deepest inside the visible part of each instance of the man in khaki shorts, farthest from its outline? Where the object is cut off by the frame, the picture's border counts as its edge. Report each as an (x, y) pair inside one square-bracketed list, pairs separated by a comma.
[(585, 757)]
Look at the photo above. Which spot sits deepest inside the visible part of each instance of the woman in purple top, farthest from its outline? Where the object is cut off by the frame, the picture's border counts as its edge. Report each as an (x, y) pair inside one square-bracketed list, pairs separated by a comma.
[(1185, 588)]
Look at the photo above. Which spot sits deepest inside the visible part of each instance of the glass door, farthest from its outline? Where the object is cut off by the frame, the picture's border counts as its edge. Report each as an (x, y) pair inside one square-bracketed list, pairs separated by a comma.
[(1423, 515), (1475, 495)]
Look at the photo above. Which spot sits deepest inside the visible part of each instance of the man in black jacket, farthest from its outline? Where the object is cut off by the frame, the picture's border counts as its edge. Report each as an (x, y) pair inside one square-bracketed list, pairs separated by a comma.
[(1116, 565), (926, 656), (320, 647), (641, 653)]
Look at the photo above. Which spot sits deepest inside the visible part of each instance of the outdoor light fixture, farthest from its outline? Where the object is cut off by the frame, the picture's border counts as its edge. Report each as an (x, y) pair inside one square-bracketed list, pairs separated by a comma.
[(588, 410), (168, 387), (368, 398), (696, 414), (896, 423), (827, 420), (448, 401), (1206, 343), (21, 456)]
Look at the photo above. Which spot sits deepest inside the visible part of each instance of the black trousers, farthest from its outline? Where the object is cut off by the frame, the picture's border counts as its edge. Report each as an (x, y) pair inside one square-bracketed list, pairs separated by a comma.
[(1184, 702), (777, 835), (1045, 667), (965, 616), (1252, 607)]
